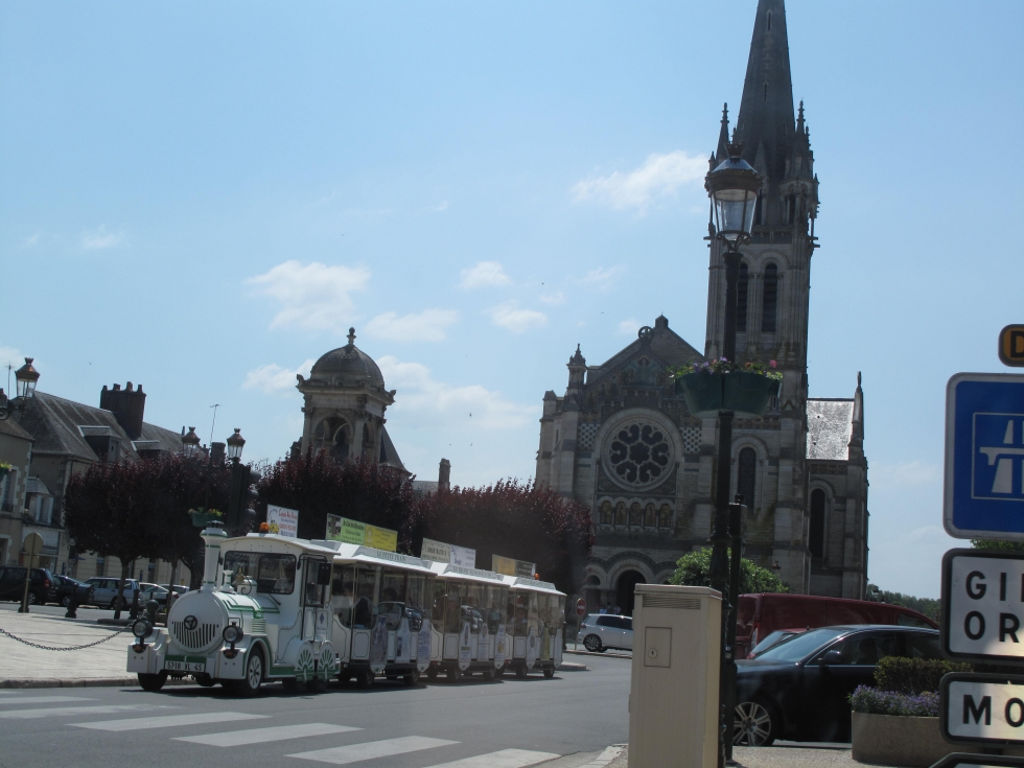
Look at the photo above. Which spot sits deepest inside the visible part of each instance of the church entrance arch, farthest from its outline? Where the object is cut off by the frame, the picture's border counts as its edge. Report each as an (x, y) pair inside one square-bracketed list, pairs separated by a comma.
[(624, 590)]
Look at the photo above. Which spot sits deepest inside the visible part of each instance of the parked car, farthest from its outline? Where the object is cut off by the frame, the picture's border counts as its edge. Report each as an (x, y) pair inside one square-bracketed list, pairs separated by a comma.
[(761, 613), (42, 587), (772, 639), (108, 592), (69, 588), (601, 631), (799, 690)]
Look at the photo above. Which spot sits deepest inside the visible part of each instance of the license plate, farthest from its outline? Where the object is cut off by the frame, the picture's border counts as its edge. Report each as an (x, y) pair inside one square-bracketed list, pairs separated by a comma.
[(185, 666)]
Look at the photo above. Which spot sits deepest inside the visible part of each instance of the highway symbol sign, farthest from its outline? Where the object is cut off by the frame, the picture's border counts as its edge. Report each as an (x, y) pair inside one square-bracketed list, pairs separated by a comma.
[(983, 604), (984, 478), (982, 708)]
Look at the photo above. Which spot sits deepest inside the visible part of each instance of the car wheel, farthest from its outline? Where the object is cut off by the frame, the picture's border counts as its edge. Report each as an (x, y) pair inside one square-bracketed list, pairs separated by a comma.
[(753, 725), (33, 598), (152, 682), (249, 684), (593, 643)]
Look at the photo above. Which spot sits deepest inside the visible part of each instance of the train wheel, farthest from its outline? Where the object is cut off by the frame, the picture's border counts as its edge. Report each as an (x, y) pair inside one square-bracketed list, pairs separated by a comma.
[(364, 679), (152, 682), (249, 684), (432, 673), (521, 672), (411, 678), (451, 673)]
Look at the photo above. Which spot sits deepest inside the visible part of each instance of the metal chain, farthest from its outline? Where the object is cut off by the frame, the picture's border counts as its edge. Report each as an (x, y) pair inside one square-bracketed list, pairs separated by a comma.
[(111, 636)]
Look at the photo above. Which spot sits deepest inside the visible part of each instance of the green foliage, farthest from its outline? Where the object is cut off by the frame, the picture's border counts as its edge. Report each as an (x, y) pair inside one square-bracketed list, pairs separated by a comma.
[(905, 675), (930, 607), (516, 520), (694, 569), (998, 545)]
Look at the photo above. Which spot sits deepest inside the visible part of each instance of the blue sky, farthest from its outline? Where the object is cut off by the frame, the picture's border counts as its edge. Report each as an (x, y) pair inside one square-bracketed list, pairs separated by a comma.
[(202, 198)]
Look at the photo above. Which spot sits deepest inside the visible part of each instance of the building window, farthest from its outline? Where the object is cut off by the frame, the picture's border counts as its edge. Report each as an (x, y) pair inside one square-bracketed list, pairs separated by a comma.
[(7, 484), (746, 475), (741, 298), (769, 304), (816, 542), (638, 454)]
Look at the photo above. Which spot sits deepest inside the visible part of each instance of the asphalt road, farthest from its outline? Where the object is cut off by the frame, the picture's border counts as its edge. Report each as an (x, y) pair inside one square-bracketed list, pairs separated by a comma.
[(464, 725)]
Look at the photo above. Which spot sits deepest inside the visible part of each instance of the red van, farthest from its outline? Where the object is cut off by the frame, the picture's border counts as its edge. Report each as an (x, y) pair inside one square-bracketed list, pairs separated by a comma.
[(762, 613)]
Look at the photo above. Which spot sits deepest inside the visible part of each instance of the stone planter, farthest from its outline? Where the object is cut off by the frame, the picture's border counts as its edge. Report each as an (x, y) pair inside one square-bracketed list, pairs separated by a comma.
[(745, 394), (898, 740)]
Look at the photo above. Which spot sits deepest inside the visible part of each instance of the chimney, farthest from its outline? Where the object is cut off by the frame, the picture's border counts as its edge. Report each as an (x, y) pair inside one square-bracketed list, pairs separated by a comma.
[(444, 474), (128, 406)]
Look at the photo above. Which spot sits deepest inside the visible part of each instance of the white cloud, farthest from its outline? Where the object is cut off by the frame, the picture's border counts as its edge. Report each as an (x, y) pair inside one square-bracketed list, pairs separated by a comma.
[(659, 177), (422, 397), (513, 318), (482, 274), (553, 299), (312, 296), (428, 325), (602, 278), (100, 239), (629, 327), (273, 378)]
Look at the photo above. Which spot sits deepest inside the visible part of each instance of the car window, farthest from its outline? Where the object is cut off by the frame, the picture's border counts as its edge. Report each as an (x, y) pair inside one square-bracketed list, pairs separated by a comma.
[(801, 646), (923, 646)]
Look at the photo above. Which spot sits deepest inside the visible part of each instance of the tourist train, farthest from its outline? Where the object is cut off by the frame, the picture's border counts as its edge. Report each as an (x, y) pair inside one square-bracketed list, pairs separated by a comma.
[(306, 612)]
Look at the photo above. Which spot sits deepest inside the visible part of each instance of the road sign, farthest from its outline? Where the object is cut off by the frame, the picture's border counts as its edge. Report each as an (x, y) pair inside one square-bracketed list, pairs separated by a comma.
[(984, 479), (964, 760), (581, 607), (982, 708), (1011, 345), (983, 604)]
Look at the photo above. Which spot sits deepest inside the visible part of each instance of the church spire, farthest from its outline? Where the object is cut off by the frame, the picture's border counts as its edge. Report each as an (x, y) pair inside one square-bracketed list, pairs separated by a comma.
[(765, 122)]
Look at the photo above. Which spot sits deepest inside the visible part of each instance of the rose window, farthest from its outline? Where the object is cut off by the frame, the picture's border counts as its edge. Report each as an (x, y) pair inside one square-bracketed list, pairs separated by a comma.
[(638, 454)]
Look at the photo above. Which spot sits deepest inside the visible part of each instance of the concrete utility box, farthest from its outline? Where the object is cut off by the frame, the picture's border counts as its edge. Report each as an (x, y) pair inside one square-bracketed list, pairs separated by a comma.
[(673, 695)]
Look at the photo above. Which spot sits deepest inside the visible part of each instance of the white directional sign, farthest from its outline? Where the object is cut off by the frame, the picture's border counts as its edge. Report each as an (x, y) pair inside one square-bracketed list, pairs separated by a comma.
[(984, 494), (983, 604), (982, 708)]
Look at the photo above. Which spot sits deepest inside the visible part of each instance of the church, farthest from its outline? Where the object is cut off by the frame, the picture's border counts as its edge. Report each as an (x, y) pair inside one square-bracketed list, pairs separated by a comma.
[(620, 440)]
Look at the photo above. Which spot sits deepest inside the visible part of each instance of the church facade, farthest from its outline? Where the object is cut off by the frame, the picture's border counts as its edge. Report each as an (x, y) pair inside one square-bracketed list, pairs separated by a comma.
[(620, 439)]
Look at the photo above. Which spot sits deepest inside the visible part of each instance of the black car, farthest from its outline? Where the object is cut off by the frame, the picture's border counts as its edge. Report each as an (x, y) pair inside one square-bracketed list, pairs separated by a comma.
[(798, 690), (42, 587), (69, 588)]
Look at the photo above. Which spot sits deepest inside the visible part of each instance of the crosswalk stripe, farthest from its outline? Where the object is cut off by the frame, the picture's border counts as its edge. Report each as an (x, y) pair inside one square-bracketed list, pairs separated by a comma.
[(261, 735), (29, 714), (167, 721), (354, 753), (505, 758), (43, 700)]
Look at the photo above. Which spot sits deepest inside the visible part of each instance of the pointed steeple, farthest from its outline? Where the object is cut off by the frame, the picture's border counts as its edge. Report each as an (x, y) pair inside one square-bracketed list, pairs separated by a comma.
[(766, 110)]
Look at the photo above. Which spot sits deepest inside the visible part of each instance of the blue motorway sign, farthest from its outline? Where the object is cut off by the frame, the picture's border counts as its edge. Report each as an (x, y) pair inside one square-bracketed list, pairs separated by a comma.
[(984, 493)]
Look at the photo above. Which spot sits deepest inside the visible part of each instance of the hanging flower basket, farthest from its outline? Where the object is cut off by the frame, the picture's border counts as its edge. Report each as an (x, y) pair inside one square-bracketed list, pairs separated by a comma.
[(4, 468), (744, 392)]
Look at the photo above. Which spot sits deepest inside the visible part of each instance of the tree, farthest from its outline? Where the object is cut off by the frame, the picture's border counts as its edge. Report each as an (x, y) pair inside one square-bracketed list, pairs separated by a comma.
[(929, 606), (694, 569), (316, 485), (140, 508), (515, 520)]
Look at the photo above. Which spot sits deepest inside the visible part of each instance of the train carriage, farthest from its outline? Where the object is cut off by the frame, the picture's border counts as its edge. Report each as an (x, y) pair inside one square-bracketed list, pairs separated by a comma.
[(470, 607), (379, 615), (536, 625)]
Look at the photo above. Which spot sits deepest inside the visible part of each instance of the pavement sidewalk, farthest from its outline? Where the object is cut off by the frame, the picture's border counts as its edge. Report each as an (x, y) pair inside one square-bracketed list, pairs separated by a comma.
[(40, 650)]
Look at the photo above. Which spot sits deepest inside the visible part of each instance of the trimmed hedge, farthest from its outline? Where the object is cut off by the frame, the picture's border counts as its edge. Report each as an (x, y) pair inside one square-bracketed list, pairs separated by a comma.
[(912, 676)]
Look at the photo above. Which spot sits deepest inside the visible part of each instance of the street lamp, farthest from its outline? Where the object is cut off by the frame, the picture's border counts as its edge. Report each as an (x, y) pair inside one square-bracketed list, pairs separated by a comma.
[(732, 186), (190, 443), (26, 378), (239, 479)]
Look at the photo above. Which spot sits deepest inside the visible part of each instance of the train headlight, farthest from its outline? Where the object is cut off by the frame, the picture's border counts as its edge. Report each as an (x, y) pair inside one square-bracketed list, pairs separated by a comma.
[(142, 628), (232, 634)]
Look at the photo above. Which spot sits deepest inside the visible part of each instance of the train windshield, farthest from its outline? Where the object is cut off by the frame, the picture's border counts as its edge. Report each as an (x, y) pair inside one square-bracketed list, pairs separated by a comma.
[(273, 573)]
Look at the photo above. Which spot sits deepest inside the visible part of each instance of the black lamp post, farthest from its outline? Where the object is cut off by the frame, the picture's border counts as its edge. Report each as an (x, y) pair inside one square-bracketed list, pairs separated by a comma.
[(190, 443), (733, 186), (239, 479)]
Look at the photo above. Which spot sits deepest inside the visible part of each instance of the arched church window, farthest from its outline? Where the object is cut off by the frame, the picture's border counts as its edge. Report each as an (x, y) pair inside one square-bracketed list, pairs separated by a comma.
[(650, 516), (636, 515), (770, 299), (620, 513), (605, 514), (332, 436), (746, 475), (816, 541), (665, 516), (741, 298)]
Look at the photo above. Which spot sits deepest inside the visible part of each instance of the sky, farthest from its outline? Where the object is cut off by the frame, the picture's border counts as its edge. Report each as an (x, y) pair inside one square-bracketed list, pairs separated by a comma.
[(202, 198)]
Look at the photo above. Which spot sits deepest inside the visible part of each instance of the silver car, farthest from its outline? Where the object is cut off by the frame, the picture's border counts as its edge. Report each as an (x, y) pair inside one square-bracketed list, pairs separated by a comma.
[(606, 630), (106, 594)]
